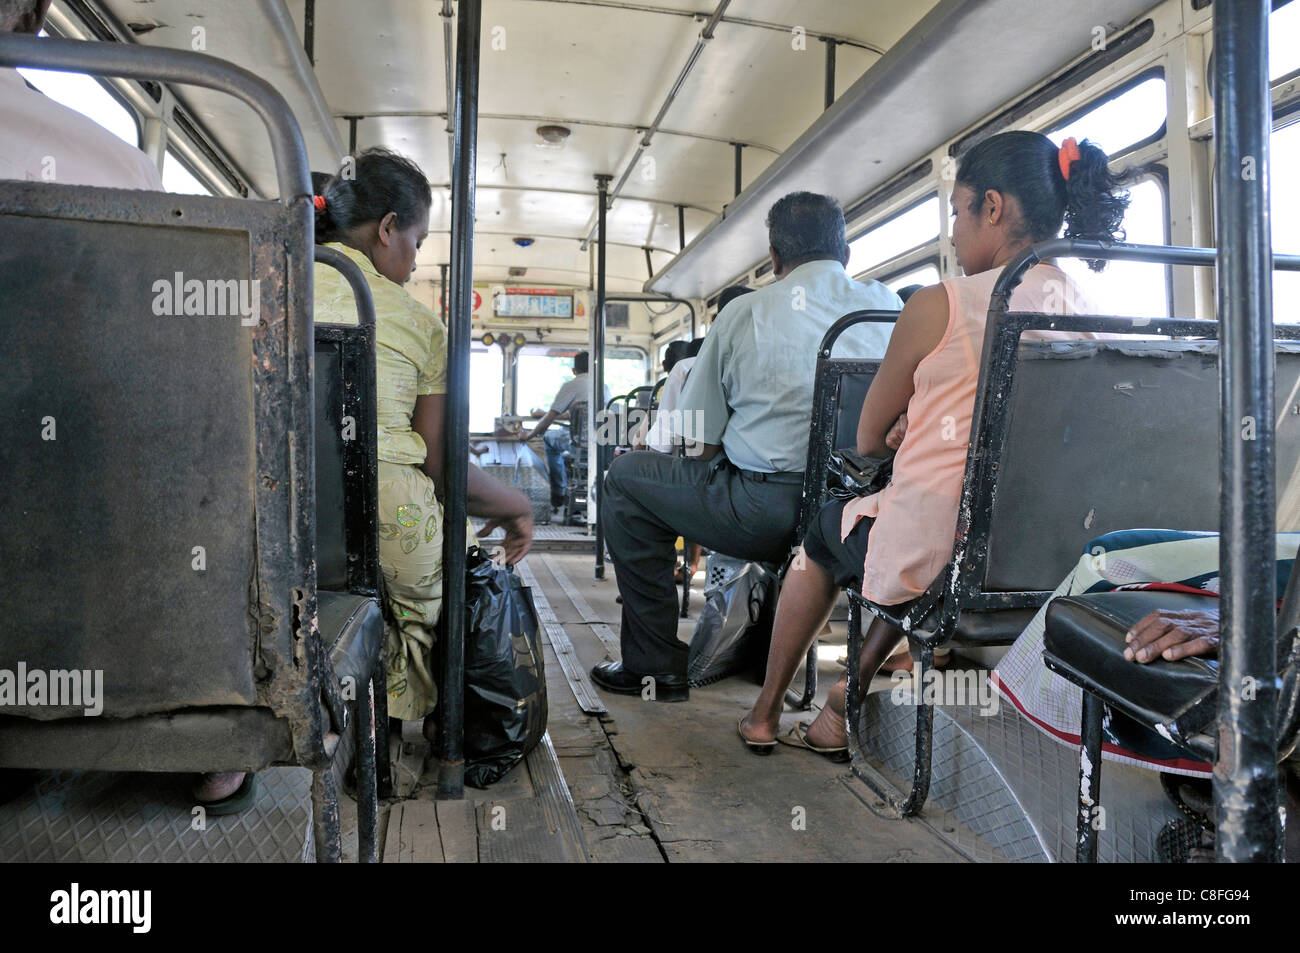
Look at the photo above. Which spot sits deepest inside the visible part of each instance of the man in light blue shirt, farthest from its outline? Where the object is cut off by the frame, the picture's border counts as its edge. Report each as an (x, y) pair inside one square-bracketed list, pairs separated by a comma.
[(746, 410)]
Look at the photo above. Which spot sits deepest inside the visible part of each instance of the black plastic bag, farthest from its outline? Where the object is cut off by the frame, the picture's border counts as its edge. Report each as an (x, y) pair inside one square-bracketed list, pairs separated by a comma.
[(505, 673)]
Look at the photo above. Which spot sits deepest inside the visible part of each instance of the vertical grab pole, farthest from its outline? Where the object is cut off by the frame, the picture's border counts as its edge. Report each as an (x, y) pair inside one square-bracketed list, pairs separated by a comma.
[(597, 405), (1246, 807), (442, 291), (451, 765)]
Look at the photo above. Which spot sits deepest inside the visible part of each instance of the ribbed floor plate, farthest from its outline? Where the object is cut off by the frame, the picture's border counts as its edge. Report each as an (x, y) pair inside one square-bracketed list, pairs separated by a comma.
[(1003, 790), (74, 816)]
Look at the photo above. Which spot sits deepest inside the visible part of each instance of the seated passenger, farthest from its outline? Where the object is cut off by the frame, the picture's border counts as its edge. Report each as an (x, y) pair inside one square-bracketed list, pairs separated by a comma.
[(575, 390), (1130, 559), (379, 218), (1012, 190), (44, 141), (747, 408), (648, 435), (1143, 559)]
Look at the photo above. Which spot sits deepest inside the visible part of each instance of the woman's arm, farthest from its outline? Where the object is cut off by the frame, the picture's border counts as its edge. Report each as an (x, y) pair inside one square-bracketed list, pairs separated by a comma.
[(485, 497), (919, 330)]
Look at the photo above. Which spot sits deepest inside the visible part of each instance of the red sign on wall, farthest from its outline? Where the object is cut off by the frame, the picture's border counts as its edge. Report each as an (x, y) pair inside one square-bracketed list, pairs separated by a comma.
[(478, 302)]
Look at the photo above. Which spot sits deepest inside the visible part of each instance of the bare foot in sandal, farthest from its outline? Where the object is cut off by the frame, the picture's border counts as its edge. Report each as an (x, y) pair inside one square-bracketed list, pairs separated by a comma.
[(758, 732)]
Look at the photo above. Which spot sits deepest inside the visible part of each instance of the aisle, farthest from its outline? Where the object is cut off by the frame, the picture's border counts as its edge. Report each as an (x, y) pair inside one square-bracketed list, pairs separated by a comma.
[(675, 777)]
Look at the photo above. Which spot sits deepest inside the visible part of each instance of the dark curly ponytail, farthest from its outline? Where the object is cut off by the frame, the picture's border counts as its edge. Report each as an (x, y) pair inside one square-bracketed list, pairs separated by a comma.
[(377, 182), (1029, 166)]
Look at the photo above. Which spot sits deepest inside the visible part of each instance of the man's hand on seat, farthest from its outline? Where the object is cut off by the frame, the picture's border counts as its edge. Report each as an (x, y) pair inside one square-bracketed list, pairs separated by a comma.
[(1173, 635), (894, 439)]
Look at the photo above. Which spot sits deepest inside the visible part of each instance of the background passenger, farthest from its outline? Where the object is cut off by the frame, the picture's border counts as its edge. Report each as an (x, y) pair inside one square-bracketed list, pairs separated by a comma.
[(748, 402), (906, 292), (1012, 190), (378, 219), (45, 141), (576, 390)]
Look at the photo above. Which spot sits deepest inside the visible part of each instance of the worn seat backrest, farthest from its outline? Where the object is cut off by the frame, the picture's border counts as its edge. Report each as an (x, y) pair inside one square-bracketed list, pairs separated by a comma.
[(578, 424), (1104, 436), (155, 501), (839, 391), (346, 426)]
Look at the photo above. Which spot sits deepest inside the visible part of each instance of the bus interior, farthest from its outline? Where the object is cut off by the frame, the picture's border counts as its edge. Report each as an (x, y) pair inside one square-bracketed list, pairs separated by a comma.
[(601, 171)]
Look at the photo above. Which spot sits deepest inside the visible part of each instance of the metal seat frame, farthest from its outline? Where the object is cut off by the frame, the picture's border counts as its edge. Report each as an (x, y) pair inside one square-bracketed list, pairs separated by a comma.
[(822, 441), (298, 685), (959, 587)]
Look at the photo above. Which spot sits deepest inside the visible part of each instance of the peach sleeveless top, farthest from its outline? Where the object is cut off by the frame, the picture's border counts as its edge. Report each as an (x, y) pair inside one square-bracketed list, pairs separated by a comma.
[(916, 514)]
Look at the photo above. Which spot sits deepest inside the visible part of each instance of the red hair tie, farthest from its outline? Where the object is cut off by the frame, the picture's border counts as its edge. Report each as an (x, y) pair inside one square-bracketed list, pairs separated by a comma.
[(1067, 155), (319, 202)]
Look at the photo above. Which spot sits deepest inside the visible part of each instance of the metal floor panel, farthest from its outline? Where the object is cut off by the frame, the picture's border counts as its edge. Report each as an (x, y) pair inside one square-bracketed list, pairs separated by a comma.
[(1012, 790), (96, 817)]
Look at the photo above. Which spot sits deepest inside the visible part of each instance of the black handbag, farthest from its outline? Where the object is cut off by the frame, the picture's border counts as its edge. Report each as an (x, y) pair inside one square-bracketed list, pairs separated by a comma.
[(850, 475)]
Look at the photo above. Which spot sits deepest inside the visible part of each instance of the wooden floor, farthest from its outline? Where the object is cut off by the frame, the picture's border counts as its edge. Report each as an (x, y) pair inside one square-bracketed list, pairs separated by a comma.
[(651, 782)]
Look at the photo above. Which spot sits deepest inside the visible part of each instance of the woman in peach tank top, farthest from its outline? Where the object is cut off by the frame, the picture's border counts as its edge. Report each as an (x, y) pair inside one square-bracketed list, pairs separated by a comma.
[(1012, 190)]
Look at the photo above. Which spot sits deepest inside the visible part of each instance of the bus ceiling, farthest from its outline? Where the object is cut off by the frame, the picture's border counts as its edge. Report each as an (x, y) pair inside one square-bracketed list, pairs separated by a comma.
[(900, 109), (728, 130)]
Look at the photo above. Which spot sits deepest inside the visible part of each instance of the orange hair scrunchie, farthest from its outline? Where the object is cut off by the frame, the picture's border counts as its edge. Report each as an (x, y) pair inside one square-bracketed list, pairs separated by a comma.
[(319, 202), (1067, 155)]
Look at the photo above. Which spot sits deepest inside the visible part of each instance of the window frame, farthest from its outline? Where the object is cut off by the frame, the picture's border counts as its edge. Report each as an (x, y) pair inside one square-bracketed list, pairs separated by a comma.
[(934, 260), (1156, 172), (1110, 94), (903, 258)]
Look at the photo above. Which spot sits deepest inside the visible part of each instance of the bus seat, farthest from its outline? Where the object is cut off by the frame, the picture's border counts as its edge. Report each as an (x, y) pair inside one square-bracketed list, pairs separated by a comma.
[(1098, 436), (1105, 436), (331, 525), (159, 461), (1084, 641), (131, 513), (840, 388), (992, 628)]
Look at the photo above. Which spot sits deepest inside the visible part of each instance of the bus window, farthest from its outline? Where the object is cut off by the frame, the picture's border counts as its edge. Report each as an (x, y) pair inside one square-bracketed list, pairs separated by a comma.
[(1122, 119), (80, 92), (625, 368), (1126, 288), (539, 373), (1284, 160), (927, 274), (909, 229), (177, 178), (486, 379), (1284, 40)]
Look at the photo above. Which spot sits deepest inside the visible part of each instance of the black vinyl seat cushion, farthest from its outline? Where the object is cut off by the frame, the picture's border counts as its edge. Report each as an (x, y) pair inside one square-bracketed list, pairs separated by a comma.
[(992, 628), (353, 628), (997, 627), (1084, 642)]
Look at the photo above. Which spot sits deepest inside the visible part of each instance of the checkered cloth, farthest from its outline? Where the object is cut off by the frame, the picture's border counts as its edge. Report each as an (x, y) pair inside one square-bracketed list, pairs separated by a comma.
[(1126, 559)]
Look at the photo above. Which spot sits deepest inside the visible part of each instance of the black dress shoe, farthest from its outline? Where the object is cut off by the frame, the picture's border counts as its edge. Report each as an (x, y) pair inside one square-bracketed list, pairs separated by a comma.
[(612, 677)]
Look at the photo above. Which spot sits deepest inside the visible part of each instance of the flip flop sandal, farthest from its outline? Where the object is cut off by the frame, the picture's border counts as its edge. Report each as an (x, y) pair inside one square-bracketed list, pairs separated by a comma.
[(797, 737), (757, 747), (236, 803)]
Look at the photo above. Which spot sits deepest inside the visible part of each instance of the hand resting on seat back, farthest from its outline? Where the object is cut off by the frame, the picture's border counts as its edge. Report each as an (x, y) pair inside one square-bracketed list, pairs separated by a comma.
[(1173, 635)]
